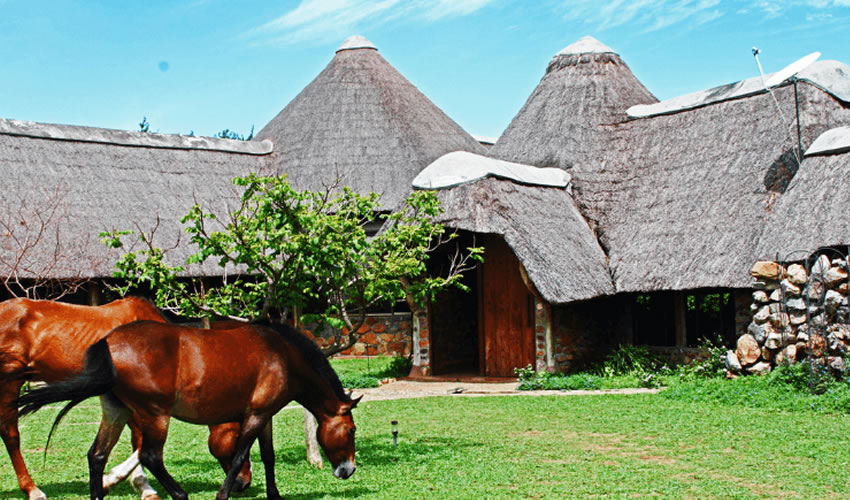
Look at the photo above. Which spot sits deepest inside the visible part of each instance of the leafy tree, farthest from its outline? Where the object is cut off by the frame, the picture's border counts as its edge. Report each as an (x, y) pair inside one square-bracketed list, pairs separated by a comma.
[(286, 250), (232, 134)]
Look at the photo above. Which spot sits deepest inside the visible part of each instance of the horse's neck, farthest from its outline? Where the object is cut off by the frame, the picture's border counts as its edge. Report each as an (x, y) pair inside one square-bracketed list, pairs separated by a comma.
[(315, 393)]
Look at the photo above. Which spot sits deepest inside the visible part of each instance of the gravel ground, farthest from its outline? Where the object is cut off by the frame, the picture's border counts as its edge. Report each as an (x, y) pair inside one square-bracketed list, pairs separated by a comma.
[(403, 389)]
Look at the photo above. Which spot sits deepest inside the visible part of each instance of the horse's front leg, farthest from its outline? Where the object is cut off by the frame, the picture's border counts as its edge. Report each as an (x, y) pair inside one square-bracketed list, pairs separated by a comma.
[(154, 433), (267, 454)]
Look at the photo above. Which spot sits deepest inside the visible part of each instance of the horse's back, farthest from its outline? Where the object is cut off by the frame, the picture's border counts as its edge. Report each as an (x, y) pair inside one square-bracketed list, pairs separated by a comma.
[(206, 376), (50, 338)]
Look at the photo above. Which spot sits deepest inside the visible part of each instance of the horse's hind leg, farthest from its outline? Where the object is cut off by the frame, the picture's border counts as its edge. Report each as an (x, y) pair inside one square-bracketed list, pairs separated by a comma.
[(222, 443), (113, 418), (249, 431), (154, 433), (9, 390), (132, 468)]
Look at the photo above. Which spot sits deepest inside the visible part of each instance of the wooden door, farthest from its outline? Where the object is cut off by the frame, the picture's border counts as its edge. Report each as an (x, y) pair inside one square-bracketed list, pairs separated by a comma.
[(506, 312)]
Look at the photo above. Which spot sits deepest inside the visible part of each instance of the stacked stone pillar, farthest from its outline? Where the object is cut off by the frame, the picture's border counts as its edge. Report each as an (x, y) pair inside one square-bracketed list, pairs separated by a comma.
[(797, 313)]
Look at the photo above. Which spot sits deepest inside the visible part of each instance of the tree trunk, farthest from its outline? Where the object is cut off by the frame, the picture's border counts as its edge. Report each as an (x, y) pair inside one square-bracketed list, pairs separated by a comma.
[(314, 455)]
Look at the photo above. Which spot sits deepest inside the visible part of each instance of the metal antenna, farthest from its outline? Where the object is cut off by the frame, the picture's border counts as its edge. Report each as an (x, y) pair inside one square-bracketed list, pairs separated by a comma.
[(797, 152)]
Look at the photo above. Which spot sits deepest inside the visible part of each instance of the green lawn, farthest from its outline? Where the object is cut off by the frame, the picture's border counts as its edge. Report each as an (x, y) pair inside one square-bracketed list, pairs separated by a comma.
[(505, 447)]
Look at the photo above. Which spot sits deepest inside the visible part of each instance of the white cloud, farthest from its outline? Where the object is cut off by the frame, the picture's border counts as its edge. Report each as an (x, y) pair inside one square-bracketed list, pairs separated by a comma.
[(648, 15), (332, 20)]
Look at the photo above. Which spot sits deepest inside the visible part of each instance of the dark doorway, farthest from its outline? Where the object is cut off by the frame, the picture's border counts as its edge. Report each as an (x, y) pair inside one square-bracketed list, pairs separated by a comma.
[(454, 317)]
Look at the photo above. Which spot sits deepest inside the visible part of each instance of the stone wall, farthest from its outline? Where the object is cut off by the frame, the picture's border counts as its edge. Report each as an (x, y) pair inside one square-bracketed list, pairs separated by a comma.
[(798, 312), (584, 332), (382, 335)]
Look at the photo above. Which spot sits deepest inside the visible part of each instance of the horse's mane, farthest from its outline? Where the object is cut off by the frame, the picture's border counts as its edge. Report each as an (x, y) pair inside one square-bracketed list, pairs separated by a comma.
[(312, 354)]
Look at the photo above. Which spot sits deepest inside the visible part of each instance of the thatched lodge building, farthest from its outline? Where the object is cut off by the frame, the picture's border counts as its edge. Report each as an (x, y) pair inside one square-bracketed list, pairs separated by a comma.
[(607, 216)]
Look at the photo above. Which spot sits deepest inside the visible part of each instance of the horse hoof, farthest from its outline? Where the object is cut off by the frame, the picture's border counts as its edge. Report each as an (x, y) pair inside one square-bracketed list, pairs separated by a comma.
[(37, 494), (240, 485)]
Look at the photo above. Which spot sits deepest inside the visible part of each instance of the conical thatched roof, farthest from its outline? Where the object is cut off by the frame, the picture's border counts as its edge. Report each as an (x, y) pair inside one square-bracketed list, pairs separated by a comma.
[(70, 183), (700, 184), (566, 121), (543, 227), (360, 122), (813, 212)]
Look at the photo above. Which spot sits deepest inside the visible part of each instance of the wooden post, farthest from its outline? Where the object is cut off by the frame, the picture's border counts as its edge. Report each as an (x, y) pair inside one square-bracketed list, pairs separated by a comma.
[(314, 455), (679, 310), (93, 288)]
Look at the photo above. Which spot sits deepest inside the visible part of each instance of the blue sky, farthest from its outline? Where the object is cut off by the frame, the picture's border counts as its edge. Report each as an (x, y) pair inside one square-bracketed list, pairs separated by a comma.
[(206, 65)]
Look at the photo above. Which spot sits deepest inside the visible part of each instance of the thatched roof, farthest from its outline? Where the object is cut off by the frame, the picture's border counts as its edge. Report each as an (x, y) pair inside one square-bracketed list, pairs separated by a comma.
[(813, 212), (566, 121), (74, 182), (543, 227), (696, 186), (678, 198), (360, 122)]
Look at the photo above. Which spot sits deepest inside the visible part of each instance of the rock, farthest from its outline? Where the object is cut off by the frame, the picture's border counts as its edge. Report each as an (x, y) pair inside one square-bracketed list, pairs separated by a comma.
[(762, 315), (758, 332), (797, 274), (759, 368), (835, 276), (814, 292), (747, 350), (773, 341), (803, 334), (790, 353), (776, 295), (837, 364), (842, 263), (788, 336), (796, 304), (760, 296), (797, 318), (780, 320), (790, 289), (832, 301), (821, 265), (731, 362), (818, 345), (766, 270), (844, 289)]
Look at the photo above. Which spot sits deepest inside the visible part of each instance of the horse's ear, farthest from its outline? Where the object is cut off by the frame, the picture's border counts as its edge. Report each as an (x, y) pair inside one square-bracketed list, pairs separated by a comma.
[(347, 407)]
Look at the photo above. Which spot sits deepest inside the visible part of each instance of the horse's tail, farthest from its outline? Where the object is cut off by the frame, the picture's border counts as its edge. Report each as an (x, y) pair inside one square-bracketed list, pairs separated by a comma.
[(97, 378)]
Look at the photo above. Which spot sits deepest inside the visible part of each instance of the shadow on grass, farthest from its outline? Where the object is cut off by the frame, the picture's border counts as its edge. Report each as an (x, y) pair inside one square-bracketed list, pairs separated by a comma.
[(371, 452)]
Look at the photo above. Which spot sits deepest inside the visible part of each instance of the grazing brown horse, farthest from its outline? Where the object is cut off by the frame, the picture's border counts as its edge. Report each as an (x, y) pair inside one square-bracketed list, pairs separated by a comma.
[(151, 372), (45, 340)]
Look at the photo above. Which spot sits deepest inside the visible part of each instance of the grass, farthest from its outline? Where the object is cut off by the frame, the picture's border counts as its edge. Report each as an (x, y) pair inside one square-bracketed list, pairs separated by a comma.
[(358, 373), (612, 446)]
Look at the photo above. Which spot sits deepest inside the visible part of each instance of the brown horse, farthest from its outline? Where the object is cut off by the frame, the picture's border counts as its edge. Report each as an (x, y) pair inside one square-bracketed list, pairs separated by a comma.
[(152, 371), (45, 340)]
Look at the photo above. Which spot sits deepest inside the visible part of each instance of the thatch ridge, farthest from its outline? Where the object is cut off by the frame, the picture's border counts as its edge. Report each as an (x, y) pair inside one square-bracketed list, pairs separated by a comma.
[(361, 123), (134, 139)]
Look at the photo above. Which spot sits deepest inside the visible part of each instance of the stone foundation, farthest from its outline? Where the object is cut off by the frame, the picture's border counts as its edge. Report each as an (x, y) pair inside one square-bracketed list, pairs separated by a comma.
[(798, 312), (381, 335)]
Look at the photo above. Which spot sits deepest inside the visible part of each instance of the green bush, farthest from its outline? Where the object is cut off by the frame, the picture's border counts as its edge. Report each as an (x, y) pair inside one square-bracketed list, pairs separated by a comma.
[(355, 373)]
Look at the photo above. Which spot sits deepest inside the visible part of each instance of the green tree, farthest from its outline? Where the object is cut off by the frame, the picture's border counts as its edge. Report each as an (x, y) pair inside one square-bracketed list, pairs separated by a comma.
[(286, 250)]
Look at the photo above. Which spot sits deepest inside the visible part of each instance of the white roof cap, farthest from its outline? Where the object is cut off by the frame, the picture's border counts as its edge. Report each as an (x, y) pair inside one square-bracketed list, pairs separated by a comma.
[(356, 42), (586, 45), (833, 141), (461, 167)]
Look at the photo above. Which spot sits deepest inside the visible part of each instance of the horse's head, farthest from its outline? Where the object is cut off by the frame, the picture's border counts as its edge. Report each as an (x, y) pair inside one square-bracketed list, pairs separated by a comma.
[(336, 436)]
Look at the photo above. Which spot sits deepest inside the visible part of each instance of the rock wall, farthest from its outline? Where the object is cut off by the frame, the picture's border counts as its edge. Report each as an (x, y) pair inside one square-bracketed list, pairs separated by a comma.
[(382, 334), (799, 311)]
